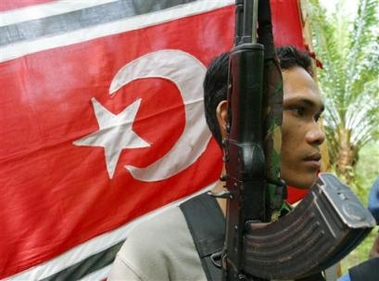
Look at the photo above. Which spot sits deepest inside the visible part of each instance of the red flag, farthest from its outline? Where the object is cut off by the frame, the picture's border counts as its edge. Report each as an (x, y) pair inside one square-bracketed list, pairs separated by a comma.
[(78, 117), (101, 123)]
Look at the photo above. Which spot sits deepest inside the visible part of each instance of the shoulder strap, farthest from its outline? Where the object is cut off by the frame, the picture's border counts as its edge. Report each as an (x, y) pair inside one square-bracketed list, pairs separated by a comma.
[(207, 226), (366, 271)]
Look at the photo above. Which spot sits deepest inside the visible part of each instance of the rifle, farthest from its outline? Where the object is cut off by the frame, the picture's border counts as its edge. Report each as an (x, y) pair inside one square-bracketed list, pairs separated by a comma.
[(328, 223)]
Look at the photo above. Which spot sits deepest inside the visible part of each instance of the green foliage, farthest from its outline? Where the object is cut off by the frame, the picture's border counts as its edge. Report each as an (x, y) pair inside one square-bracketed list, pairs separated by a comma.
[(348, 47), (367, 171)]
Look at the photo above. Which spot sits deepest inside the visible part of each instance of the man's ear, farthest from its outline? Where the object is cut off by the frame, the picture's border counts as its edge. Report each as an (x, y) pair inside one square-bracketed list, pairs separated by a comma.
[(222, 115)]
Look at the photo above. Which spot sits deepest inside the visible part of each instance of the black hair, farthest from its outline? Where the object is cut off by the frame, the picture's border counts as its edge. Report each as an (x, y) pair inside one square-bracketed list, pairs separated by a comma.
[(290, 57), (215, 90), (216, 81)]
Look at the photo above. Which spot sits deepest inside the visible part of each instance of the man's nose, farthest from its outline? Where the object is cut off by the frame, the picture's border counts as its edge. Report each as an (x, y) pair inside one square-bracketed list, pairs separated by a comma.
[(315, 135)]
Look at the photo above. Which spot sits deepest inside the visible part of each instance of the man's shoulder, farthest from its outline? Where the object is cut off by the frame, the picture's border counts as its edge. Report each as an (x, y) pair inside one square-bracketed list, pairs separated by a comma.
[(172, 215), (172, 218), (157, 227), (161, 246)]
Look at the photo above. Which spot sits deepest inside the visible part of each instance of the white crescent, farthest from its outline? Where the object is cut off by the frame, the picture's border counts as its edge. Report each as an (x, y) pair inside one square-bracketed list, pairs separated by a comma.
[(187, 73)]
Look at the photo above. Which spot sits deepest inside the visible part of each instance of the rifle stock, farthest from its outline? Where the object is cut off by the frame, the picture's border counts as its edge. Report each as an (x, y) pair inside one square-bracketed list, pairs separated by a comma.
[(328, 223)]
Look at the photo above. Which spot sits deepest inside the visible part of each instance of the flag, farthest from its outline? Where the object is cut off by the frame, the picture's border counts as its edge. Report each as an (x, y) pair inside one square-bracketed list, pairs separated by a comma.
[(101, 124)]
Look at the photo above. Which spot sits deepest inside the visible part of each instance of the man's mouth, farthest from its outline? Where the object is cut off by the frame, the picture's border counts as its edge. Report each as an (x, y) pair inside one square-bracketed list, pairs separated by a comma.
[(314, 160), (313, 157)]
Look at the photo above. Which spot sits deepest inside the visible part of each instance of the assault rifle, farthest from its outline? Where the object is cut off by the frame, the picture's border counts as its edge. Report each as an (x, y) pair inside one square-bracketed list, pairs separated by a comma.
[(326, 225)]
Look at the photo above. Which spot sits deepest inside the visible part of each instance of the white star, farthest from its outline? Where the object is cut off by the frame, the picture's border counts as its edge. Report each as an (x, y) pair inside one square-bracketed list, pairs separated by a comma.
[(115, 133)]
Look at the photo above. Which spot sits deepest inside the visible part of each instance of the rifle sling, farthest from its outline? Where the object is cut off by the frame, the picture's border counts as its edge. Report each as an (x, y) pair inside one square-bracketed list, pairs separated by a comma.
[(207, 226)]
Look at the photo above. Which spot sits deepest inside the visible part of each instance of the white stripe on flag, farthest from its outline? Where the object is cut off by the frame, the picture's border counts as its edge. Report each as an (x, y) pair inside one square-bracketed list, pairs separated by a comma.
[(46, 10), (91, 247), (16, 50)]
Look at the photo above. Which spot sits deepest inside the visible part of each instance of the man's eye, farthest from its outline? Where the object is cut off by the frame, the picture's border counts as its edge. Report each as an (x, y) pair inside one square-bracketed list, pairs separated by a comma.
[(299, 110), (317, 117)]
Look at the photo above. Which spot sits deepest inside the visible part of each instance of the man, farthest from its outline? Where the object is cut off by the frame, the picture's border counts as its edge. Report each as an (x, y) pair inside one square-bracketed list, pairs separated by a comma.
[(163, 248)]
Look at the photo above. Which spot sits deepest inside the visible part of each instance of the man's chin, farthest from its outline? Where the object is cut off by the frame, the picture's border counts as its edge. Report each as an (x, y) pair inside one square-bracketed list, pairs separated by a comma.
[(304, 183)]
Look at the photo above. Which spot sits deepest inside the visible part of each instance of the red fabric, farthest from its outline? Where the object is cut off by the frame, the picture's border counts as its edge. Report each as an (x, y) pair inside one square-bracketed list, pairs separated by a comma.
[(59, 195), (55, 195), (295, 194), (15, 4), (287, 24)]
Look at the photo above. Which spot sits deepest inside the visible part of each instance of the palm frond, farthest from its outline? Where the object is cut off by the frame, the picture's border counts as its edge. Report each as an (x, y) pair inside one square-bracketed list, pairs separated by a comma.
[(348, 47)]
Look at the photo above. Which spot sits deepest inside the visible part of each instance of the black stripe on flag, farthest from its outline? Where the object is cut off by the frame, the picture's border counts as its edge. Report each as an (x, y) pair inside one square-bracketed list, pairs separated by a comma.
[(87, 266), (83, 18)]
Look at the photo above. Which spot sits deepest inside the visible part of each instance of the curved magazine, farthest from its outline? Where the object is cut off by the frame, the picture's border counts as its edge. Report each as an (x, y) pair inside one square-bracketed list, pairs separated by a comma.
[(320, 231)]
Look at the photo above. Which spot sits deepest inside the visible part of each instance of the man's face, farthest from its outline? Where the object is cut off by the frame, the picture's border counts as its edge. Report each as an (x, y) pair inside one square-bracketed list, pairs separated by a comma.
[(301, 134)]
